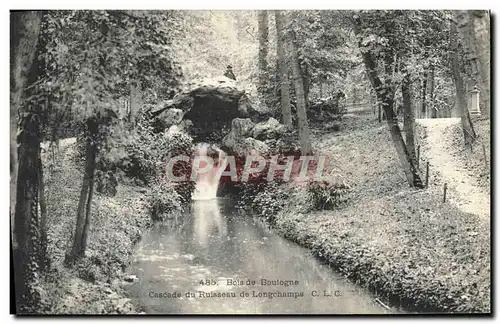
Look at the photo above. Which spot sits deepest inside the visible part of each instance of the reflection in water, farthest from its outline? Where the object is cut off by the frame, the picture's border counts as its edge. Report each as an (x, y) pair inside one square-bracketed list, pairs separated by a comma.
[(216, 243), (208, 221)]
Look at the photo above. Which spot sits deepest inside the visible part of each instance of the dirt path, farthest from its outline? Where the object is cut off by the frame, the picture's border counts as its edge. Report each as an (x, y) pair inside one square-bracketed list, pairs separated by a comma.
[(446, 166)]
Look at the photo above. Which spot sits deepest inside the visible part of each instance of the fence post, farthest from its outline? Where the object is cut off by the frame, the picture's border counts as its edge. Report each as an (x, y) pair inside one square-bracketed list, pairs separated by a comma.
[(427, 175), (444, 192)]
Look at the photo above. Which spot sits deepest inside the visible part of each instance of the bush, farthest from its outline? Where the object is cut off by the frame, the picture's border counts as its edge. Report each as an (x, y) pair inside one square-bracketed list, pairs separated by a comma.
[(335, 127), (106, 183), (270, 201), (185, 190), (163, 201), (148, 149), (178, 143), (87, 270), (142, 153), (267, 200), (327, 195)]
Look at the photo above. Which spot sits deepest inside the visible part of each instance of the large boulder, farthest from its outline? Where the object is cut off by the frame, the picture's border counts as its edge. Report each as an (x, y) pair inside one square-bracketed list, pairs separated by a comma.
[(173, 116), (238, 141), (253, 109), (240, 129), (186, 125), (172, 130), (269, 129), (286, 145), (249, 146)]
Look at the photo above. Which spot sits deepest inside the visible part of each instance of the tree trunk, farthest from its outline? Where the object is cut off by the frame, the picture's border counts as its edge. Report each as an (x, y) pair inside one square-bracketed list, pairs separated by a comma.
[(263, 51), (283, 70), (83, 211), (431, 106), (424, 96), (26, 221), (24, 151), (305, 141), (468, 129), (409, 118), (408, 161), (88, 208), (385, 95), (306, 81), (474, 28), (24, 32), (240, 27), (135, 101)]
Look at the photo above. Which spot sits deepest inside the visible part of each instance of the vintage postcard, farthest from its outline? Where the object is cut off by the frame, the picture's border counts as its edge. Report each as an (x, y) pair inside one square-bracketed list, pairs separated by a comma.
[(250, 162)]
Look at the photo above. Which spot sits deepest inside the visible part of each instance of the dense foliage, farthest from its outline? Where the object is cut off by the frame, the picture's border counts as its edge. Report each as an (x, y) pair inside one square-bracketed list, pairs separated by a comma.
[(99, 75), (164, 201)]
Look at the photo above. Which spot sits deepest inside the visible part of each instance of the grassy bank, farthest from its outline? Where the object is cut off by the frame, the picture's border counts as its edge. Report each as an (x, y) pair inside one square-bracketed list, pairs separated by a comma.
[(94, 284), (406, 245)]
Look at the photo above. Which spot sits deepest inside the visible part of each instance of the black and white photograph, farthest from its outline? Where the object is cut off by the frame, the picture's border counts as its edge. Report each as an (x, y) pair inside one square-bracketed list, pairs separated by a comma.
[(250, 162)]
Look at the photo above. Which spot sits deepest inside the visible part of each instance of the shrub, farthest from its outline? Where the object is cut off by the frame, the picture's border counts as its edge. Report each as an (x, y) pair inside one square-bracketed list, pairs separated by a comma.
[(178, 143), (327, 195), (149, 148), (87, 270), (163, 201), (106, 183), (270, 201), (335, 126), (142, 153), (185, 189)]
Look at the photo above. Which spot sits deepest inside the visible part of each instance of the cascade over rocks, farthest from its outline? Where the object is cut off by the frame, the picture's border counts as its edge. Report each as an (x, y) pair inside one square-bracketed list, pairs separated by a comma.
[(211, 105), (219, 111)]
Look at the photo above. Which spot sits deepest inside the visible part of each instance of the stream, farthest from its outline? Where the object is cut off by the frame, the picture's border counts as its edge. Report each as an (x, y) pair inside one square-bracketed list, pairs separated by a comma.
[(219, 261)]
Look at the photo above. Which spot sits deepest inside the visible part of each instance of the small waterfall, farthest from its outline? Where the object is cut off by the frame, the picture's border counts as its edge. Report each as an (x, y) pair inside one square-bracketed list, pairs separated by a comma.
[(207, 183)]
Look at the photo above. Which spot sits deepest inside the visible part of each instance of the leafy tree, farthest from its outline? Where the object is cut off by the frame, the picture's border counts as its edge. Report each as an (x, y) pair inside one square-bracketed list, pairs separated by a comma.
[(92, 60), (206, 41), (325, 50), (381, 37)]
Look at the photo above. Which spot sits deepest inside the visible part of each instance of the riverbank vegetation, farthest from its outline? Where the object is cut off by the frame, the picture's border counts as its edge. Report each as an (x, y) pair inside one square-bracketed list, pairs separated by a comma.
[(407, 246), (102, 100)]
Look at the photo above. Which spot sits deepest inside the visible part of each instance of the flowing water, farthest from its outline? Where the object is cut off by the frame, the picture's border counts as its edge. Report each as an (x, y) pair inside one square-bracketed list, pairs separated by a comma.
[(213, 244), (216, 260)]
